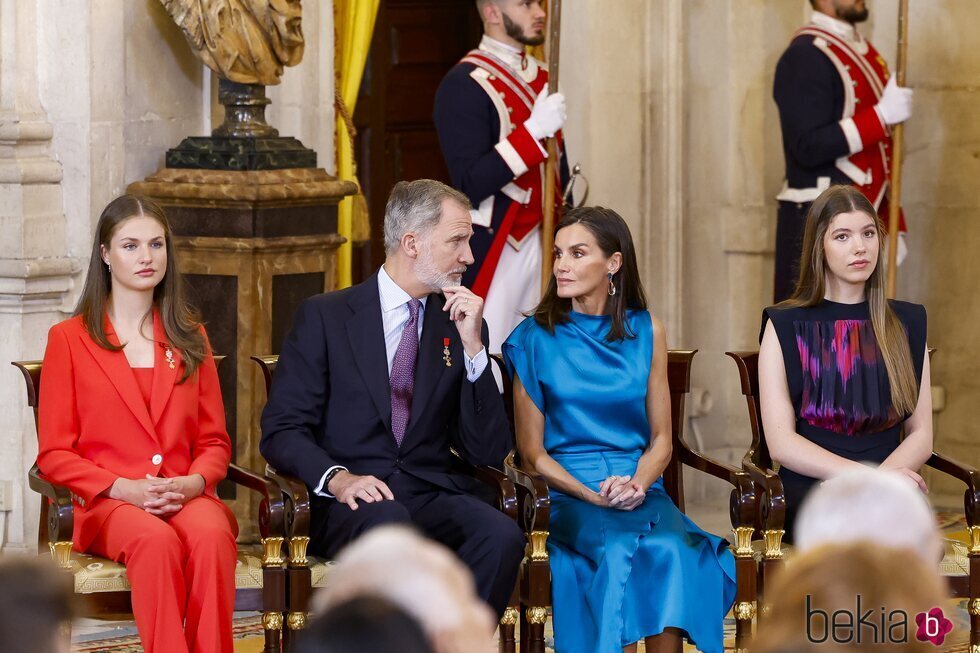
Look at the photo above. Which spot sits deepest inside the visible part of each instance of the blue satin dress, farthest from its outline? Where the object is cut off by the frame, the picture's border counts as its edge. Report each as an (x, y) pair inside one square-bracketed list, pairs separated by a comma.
[(617, 576)]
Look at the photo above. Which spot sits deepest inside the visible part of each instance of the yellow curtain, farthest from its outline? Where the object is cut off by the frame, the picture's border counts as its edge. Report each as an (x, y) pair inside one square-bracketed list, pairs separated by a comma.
[(353, 24)]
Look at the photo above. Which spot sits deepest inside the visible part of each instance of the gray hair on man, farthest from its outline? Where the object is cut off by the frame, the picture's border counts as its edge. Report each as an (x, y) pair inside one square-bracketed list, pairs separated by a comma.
[(869, 504), (416, 206), (419, 575)]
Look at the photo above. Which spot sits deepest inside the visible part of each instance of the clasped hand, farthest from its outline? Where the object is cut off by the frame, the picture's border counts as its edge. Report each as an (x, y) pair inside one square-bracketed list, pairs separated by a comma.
[(158, 496), (620, 492)]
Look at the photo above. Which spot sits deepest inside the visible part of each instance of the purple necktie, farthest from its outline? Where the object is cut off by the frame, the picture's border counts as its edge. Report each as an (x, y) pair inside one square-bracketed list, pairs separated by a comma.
[(403, 373)]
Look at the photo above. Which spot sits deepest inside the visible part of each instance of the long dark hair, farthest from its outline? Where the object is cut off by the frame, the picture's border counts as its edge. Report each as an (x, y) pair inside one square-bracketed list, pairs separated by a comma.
[(180, 321), (612, 234), (810, 288)]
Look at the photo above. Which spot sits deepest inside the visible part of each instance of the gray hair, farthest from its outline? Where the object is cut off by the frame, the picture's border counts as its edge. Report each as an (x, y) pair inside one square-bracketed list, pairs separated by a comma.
[(869, 504), (416, 206)]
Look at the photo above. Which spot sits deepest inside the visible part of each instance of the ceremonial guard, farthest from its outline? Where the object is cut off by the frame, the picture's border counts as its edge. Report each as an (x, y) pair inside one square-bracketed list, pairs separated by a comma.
[(836, 103), (493, 114)]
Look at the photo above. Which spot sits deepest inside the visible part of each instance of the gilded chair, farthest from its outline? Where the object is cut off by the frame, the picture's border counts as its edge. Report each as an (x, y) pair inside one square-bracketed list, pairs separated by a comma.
[(533, 491), (305, 573), (101, 584), (960, 565)]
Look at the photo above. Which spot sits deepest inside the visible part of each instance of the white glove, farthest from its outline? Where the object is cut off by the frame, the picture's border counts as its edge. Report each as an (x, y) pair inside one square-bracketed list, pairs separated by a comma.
[(547, 115), (895, 105)]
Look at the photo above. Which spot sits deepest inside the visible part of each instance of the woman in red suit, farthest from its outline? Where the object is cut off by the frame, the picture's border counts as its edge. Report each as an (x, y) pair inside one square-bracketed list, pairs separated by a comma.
[(131, 421)]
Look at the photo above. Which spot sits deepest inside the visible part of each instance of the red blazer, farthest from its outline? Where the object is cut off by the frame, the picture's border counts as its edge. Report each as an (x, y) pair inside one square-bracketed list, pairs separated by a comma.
[(94, 425)]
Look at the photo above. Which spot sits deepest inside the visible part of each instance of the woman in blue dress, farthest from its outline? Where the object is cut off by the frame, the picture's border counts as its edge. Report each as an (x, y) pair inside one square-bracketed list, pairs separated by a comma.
[(593, 418)]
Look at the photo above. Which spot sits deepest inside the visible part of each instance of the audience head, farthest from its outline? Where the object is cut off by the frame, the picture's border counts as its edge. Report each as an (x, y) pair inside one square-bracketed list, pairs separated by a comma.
[(364, 623), (843, 247), (427, 236), (594, 258), (133, 252), (517, 22), (894, 585), (420, 576), (869, 505), (35, 607)]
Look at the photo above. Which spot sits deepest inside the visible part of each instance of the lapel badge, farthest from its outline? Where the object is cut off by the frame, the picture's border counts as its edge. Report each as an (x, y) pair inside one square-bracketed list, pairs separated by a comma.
[(169, 356), (445, 352)]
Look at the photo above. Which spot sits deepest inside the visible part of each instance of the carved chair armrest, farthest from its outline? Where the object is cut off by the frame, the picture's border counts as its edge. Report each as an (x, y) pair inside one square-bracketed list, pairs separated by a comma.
[(272, 509), (534, 495), (61, 512), (742, 501), (772, 499), (297, 497), (503, 488), (969, 475)]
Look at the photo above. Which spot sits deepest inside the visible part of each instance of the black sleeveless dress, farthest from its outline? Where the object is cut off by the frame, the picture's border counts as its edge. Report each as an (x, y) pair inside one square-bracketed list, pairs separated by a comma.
[(838, 383)]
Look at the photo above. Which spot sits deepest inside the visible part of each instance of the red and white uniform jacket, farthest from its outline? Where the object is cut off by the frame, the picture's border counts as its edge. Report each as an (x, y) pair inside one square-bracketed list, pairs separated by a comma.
[(827, 85), (480, 110)]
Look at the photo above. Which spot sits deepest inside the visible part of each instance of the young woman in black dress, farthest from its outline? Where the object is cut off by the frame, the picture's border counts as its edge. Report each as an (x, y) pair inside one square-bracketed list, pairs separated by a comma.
[(843, 371)]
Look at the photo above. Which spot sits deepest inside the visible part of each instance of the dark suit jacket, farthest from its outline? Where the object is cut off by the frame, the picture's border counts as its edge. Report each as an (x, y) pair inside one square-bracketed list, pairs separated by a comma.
[(330, 401)]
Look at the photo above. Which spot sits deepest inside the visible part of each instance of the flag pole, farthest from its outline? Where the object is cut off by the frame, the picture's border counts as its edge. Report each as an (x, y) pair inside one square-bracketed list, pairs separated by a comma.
[(898, 145), (551, 166)]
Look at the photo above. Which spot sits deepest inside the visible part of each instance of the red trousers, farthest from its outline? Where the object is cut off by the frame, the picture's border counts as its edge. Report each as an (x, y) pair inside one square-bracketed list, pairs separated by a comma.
[(182, 573)]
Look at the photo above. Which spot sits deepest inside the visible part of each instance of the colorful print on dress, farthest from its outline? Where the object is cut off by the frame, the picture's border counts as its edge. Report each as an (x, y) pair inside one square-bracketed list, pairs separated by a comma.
[(845, 382)]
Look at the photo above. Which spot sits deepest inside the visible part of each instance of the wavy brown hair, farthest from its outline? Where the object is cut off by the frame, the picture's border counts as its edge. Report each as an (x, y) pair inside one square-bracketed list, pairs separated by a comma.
[(181, 322), (612, 234), (810, 287), (816, 584)]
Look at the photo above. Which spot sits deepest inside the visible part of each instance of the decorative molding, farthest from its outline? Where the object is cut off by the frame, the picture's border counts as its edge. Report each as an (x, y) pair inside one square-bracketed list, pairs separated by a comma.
[(661, 241), (743, 541), (537, 615), (744, 610), (297, 551), (510, 617), (296, 620), (272, 621), (774, 544), (538, 547), (272, 552)]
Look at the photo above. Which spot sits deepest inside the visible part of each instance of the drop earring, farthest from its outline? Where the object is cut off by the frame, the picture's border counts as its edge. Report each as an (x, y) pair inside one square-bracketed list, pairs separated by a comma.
[(612, 286), (109, 265)]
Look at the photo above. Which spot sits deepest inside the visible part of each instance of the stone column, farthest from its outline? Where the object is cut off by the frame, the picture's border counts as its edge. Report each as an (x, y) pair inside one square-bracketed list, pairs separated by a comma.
[(35, 273)]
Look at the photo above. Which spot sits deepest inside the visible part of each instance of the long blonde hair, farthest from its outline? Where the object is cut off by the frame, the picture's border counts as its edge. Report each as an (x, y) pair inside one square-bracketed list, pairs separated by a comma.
[(810, 287)]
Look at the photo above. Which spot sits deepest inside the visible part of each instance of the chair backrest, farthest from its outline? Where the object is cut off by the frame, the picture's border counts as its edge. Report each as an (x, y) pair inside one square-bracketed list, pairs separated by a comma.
[(32, 379), (268, 366), (679, 364), (748, 372)]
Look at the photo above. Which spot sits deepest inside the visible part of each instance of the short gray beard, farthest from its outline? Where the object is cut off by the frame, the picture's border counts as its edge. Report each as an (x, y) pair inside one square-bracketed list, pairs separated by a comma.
[(429, 275)]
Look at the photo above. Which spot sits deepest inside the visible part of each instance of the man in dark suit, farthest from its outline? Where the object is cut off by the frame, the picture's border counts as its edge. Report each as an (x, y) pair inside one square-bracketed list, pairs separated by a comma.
[(377, 381)]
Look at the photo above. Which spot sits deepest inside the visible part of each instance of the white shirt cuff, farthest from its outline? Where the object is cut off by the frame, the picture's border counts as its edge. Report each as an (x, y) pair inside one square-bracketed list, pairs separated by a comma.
[(322, 491), (475, 365)]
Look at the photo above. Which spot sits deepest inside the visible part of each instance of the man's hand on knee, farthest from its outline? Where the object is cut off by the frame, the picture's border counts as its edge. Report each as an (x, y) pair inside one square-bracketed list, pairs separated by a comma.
[(349, 488)]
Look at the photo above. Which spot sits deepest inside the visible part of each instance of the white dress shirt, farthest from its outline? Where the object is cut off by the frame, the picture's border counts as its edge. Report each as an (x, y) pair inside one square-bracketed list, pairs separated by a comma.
[(394, 315)]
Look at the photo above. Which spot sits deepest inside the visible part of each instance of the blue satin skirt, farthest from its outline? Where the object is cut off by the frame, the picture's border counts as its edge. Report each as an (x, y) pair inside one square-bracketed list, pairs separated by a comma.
[(618, 576)]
